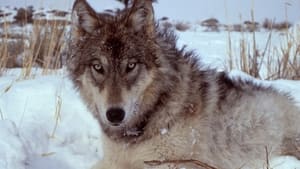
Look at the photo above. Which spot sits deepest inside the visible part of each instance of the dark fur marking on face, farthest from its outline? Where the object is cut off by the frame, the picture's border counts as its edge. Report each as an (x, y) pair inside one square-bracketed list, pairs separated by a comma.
[(96, 81), (114, 45), (132, 79)]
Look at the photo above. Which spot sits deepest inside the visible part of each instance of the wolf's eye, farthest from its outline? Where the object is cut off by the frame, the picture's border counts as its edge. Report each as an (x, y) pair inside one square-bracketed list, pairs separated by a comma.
[(98, 67), (130, 67)]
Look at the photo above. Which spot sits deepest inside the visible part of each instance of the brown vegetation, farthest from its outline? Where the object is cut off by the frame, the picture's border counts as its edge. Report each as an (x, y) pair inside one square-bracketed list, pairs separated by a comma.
[(211, 24), (24, 16), (182, 26), (278, 61), (269, 25), (42, 47), (251, 26), (59, 13)]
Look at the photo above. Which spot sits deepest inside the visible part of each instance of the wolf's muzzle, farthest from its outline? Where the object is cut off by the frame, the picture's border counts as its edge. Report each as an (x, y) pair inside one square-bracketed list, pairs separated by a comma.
[(115, 115)]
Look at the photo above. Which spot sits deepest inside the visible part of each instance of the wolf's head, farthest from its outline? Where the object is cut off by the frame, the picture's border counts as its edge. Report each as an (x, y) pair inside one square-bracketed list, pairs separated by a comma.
[(117, 66)]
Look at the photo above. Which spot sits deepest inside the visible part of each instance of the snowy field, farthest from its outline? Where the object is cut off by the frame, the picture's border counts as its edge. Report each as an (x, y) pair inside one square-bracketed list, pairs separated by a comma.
[(35, 134), (44, 124)]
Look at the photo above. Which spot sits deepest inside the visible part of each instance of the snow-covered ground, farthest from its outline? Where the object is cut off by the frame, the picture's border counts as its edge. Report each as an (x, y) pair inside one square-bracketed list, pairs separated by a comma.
[(213, 47), (44, 125)]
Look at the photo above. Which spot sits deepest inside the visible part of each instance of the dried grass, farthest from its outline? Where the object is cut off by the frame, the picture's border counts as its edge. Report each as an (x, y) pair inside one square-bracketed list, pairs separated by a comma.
[(281, 62), (40, 47), (4, 48), (57, 115), (45, 47)]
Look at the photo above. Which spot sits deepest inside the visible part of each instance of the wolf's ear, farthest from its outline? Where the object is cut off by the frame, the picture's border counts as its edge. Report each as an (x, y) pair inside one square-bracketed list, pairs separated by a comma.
[(84, 18), (141, 16)]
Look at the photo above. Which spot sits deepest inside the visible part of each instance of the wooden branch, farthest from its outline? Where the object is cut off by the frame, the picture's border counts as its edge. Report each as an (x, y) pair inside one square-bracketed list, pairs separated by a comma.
[(196, 162)]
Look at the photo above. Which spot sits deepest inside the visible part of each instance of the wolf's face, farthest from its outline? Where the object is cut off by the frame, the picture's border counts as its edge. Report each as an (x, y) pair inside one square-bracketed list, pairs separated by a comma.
[(116, 67)]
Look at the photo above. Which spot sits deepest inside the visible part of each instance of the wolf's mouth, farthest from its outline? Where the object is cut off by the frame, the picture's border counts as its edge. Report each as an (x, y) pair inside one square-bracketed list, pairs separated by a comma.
[(139, 128), (133, 132), (129, 133)]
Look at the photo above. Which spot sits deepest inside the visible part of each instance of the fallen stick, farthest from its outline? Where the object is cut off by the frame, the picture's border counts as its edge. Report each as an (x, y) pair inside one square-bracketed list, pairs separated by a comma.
[(196, 162)]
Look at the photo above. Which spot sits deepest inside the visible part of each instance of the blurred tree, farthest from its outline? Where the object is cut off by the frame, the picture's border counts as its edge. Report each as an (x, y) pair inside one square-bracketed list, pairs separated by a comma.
[(24, 15), (212, 24)]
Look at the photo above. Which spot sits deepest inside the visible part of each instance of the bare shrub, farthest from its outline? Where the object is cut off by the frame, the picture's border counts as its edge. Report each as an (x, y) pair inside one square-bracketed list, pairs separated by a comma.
[(268, 24), (251, 26), (211, 24), (182, 26), (281, 26), (59, 13), (24, 16)]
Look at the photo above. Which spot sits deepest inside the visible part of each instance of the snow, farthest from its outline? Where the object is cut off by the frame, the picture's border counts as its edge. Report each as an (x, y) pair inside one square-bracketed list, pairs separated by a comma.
[(214, 49), (163, 131), (285, 163), (29, 137)]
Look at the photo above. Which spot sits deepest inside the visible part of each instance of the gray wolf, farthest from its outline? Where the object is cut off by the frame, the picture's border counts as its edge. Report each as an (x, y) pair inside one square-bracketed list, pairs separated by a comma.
[(154, 101)]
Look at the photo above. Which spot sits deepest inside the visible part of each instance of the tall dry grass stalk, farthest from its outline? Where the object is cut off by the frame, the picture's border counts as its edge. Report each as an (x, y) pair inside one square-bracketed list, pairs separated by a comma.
[(4, 48), (253, 69), (57, 115), (288, 65), (271, 61), (38, 45), (45, 46)]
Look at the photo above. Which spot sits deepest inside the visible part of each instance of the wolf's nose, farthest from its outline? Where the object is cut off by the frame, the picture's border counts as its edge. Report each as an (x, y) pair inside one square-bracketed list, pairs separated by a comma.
[(115, 115)]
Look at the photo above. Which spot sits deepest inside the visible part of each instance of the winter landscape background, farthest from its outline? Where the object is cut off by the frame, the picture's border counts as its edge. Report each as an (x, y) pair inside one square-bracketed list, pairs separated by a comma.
[(44, 124)]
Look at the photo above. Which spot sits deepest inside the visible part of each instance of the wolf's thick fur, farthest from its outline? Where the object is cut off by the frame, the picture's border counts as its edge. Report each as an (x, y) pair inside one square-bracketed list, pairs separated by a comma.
[(156, 102)]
